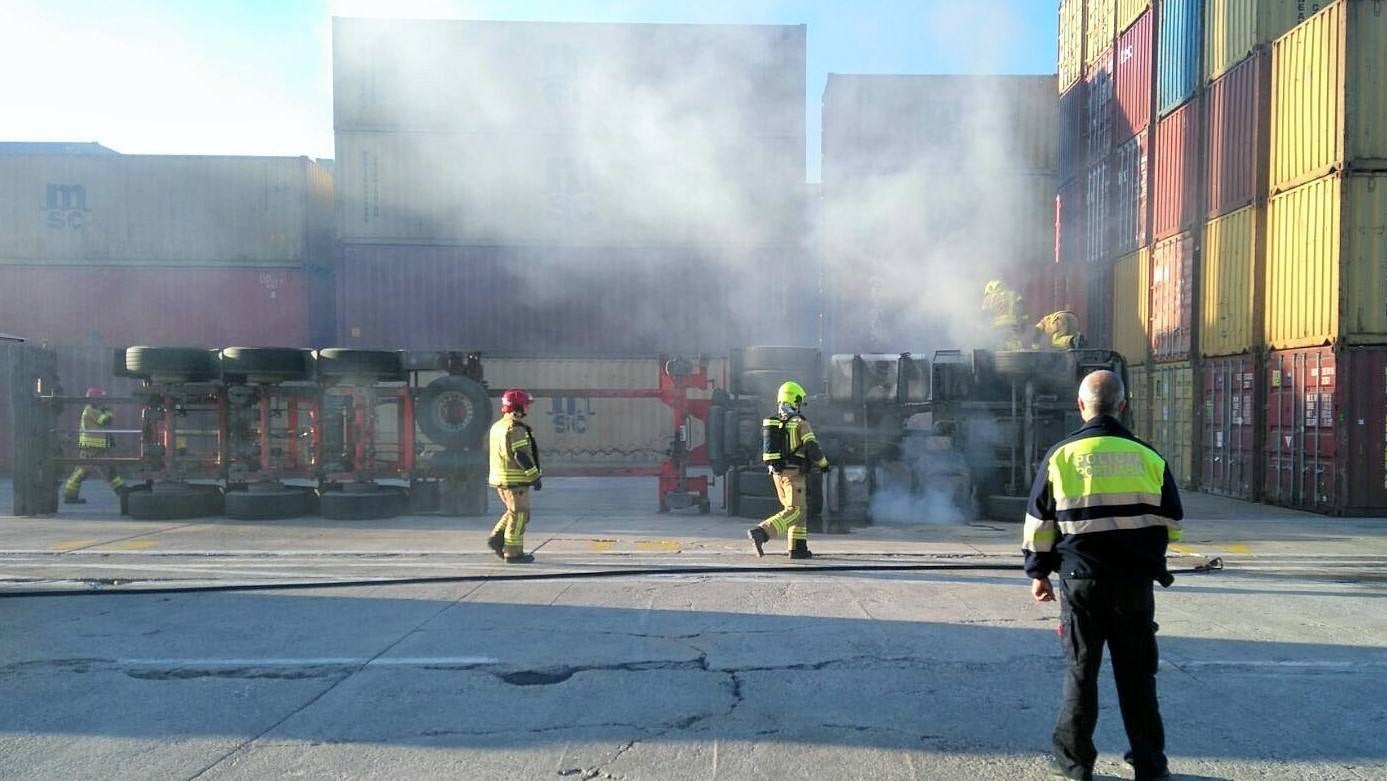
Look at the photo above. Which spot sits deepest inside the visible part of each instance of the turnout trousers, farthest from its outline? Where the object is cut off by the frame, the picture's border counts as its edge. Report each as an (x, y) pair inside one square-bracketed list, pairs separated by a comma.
[(512, 524), (1121, 614), (792, 520)]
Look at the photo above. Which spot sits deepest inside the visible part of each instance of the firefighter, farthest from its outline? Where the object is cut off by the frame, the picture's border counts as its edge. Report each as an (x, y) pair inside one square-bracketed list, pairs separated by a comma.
[(789, 449), (514, 471), (1062, 327), (1008, 312), (92, 443)]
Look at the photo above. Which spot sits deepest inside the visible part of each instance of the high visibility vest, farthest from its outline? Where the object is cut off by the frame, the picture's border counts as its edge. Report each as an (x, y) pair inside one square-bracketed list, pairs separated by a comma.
[(1006, 308), (507, 439), (93, 420)]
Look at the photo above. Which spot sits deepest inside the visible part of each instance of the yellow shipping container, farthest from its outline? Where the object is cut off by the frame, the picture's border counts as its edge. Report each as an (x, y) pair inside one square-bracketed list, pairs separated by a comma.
[(1099, 17), (1234, 252), (1233, 28), (1131, 306), (1325, 280), (1071, 62), (1139, 399), (1172, 418), (1329, 94), (1129, 11)]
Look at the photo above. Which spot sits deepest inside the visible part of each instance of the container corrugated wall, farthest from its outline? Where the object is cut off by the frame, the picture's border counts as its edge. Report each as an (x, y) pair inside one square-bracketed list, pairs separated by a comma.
[(1131, 304), (1101, 108), (1176, 183), (1099, 29), (1179, 45), (1133, 69), (1236, 132), (1128, 11), (1231, 289), (1139, 399), (1326, 245), (1071, 43), (1132, 178), (1097, 213), (1329, 94), (1073, 132), (1172, 419), (1051, 287), (1233, 429), (1070, 231), (1172, 297), (1100, 312), (1233, 28)]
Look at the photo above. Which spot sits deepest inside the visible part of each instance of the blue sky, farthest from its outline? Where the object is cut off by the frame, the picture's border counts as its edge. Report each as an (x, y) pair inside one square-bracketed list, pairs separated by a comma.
[(254, 76)]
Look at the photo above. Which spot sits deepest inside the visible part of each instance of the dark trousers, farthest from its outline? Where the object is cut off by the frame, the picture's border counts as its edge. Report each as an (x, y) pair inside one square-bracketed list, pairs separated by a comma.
[(1120, 613)]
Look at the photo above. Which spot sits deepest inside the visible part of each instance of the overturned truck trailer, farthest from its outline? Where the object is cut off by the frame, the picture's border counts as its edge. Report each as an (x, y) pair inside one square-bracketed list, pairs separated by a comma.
[(949, 438)]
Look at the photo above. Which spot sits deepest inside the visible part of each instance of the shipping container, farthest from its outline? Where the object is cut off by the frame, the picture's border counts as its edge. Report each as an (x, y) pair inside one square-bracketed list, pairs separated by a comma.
[(1325, 280), (117, 306), (1101, 108), (1098, 213), (1231, 289), (1070, 231), (1176, 183), (1128, 12), (1180, 42), (1329, 94), (1051, 287), (1234, 28), (147, 209), (1130, 188), (1071, 40), (1325, 414), (1231, 457), (1172, 297), (1236, 136), (1133, 66), (1172, 419), (1073, 132), (1131, 306), (1099, 320), (1139, 399), (1098, 28)]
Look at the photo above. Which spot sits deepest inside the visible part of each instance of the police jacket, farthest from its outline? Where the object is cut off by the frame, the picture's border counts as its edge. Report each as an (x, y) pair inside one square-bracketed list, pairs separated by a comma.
[(1104, 505)]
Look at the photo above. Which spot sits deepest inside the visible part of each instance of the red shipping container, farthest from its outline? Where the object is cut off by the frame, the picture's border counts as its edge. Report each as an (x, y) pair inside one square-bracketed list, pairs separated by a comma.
[(1101, 108), (1172, 298), (1070, 238), (1050, 287), (1326, 415), (1232, 426), (1131, 175), (1134, 64), (117, 306), (1176, 186), (1073, 132), (1098, 212), (1237, 136)]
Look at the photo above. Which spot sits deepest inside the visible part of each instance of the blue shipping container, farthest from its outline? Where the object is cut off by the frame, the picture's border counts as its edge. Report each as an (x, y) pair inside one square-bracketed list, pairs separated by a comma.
[(1178, 52)]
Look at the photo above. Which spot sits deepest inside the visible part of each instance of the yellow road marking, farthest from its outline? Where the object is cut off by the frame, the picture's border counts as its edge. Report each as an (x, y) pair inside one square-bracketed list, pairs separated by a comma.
[(1237, 548), (131, 545), (1182, 550), (71, 544), (603, 544), (668, 546)]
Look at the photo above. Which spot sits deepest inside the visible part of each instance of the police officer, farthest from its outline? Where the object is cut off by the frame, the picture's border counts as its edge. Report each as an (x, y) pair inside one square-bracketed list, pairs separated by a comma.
[(1103, 508), (789, 450), (514, 471), (92, 442)]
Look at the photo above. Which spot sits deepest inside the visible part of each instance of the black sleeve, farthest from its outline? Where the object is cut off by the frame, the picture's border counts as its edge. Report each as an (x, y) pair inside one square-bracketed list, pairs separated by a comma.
[(534, 447), (526, 462), (812, 452), (1041, 531), (1170, 498)]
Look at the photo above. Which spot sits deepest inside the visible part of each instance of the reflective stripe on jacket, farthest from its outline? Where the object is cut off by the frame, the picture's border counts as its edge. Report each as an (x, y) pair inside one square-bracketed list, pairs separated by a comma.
[(93, 420), (512, 449), (1104, 504)]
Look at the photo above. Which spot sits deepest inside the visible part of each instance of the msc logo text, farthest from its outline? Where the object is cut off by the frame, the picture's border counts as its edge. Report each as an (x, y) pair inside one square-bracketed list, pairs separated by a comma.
[(65, 207)]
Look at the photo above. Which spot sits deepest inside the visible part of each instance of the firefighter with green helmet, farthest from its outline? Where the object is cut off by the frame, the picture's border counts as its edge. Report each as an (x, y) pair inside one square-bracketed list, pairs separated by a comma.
[(789, 449)]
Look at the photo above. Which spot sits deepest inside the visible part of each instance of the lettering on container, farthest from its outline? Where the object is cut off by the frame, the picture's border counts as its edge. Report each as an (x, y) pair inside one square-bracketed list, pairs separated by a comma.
[(1237, 410), (1326, 410), (65, 207), (569, 416), (1312, 410)]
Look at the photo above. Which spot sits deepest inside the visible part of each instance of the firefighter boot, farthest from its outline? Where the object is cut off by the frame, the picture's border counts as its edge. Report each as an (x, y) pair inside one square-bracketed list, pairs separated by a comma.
[(800, 550), (758, 538), (74, 500), (519, 558), (497, 543)]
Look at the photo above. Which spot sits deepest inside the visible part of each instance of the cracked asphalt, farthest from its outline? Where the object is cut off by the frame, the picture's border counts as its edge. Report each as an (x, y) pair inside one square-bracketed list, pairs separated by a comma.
[(1275, 668)]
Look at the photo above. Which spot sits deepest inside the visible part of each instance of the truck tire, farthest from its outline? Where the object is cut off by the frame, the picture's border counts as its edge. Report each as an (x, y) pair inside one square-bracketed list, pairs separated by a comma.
[(175, 503), (268, 505), (757, 507), (760, 365), (757, 483), (172, 364), (454, 412), (266, 364), (342, 363), (1007, 509), (374, 505), (762, 383)]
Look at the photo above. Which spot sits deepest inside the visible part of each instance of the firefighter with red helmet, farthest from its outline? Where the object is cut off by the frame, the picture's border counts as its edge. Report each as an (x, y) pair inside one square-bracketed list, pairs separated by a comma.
[(92, 442), (514, 471)]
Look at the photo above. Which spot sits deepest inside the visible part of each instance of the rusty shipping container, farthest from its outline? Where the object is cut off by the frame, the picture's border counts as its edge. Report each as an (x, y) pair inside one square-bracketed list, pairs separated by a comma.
[(1325, 278), (1231, 457), (1128, 12), (1329, 94), (148, 209), (1071, 43), (1073, 132), (1176, 181), (1172, 298), (1130, 187), (1133, 70), (1099, 31), (1231, 289), (1101, 108), (200, 307), (1098, 224), (1050, 287), (1139, 399), (1179, 46), (1070, 231), (1236, 136), (1233, 29), (1131, 306), (1325, 416), (1172, 419)]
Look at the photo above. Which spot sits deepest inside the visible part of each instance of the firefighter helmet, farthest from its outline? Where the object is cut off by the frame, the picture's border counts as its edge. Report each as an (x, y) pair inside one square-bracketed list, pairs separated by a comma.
[(790, 393), (993, 287), (96, 393), (515, 400)]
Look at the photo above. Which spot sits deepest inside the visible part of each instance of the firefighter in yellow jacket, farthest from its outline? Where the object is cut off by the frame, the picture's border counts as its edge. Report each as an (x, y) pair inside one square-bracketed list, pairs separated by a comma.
[(514, 471), (1008, 312), (790, 450), (1062, 328), (92, 442)]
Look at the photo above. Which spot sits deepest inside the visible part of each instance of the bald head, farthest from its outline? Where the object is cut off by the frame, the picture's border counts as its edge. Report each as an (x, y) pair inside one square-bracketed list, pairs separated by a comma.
[(1101, 393)]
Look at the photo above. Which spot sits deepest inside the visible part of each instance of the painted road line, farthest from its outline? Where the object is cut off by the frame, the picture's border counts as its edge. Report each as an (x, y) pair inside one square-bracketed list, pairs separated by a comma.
[(321, 661), (68, 545)]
